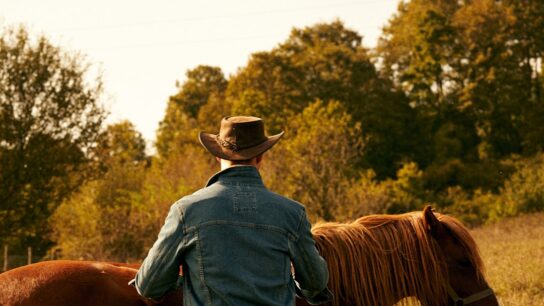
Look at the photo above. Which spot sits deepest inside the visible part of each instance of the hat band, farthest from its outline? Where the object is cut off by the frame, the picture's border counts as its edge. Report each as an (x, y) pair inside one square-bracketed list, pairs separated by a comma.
[(226, 144), (234, 147)]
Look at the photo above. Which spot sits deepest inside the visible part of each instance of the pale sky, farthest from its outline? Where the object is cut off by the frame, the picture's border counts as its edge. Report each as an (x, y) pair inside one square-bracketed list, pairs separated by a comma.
[(144, 47)]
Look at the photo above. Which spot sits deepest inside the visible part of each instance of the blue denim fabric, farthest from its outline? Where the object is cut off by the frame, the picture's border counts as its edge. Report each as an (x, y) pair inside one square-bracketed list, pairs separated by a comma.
[(236, 241)]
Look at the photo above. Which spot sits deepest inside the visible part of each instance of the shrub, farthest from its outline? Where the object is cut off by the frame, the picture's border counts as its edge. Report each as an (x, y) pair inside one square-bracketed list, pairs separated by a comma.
[(523, 192)]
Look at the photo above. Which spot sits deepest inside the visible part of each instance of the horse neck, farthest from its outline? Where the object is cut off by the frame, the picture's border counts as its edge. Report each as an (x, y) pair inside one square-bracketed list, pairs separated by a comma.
[(379, 260)]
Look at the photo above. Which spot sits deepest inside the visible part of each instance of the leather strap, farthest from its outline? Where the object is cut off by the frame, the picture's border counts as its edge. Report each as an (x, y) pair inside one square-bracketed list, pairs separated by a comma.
[(458, 301)]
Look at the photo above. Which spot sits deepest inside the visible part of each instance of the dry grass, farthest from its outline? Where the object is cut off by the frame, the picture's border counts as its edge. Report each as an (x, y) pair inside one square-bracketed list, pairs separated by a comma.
[(513, 252)]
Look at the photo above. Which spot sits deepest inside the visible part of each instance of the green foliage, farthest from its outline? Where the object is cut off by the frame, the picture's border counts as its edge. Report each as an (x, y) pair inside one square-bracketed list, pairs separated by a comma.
[(426, 75), (472, 208), (416, 47), (470, 71), (321, 148), (493, 87), (105, 220), (199, 104), (76, 226), (523, 192), (49, 121), (327, 62), (365, 196), (201, 83), (406, 191), (486, 175), (528, 47), (120, 144), (88, 224), (370, 196), (181, 174), (175, 130)]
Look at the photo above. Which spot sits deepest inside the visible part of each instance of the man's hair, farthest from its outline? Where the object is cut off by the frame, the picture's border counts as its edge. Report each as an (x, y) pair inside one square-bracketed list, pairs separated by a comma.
[(245, 161)]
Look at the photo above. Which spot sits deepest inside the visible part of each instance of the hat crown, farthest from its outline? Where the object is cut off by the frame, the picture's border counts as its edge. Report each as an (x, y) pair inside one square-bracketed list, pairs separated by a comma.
[(241, 132), (239, 138)]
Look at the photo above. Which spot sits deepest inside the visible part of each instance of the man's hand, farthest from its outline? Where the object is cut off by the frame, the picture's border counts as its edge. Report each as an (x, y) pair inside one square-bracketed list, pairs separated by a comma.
[(147, 301), (151, 302), (321, 298)]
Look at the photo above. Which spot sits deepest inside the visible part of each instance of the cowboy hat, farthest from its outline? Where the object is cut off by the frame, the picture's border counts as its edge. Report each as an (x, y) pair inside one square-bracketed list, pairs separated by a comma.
[(239, 138)]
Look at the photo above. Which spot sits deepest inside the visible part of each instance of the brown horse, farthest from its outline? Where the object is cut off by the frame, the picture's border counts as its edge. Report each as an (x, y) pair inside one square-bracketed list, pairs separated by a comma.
[(375, 260), (381, 259), (82, 283)]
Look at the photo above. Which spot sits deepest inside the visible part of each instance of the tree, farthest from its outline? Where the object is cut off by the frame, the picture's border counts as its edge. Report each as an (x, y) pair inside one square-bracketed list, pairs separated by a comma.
[(528, 45), (108, 201), (201, 82), (481, 57), (314, 164), (76, 227), (469, 70), (50, 117), (324, 61), (417, 52), (428, 72), (493, 89), (502, 50), (122, 156), (327, 62), (120, 144), (416, 49), (199, 104)]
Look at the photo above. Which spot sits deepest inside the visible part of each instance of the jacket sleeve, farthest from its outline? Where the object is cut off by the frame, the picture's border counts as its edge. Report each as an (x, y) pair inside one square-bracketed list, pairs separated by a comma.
[(160, 270), (311, 272)]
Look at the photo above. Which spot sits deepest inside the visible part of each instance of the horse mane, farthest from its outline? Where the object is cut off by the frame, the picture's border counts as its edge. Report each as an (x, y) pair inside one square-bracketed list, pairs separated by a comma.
[(379, 259)]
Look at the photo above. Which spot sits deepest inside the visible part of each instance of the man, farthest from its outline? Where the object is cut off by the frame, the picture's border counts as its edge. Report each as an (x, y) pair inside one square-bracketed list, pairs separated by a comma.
[(235, 240)]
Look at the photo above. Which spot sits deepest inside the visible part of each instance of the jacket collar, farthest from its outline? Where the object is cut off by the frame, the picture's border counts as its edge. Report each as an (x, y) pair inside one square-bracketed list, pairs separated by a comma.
[(247, 174)]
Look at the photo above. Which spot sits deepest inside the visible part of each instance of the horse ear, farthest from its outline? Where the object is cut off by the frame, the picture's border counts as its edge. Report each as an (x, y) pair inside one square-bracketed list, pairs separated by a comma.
[(432, 224)]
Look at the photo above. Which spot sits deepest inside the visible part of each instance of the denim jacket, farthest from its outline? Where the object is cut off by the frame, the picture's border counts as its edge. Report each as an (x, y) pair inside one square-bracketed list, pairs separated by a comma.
[(236, 242)]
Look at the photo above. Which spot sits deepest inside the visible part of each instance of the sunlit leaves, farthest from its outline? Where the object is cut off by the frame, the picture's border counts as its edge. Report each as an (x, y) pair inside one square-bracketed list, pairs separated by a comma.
[(50, 117)]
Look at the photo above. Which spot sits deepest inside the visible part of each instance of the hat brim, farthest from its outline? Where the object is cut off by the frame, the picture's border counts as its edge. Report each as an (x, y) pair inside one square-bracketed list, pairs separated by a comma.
[(209, 142)]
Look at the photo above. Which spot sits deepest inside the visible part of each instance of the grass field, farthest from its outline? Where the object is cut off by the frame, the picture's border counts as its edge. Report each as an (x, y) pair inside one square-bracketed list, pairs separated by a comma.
[(513, 252)]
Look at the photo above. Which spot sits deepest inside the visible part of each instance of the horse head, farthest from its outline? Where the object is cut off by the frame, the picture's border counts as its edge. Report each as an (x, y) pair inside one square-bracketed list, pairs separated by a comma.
[(464, 267)]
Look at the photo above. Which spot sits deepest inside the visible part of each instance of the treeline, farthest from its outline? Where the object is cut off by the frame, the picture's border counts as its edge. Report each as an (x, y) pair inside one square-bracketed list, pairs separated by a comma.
[(447, 110)]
